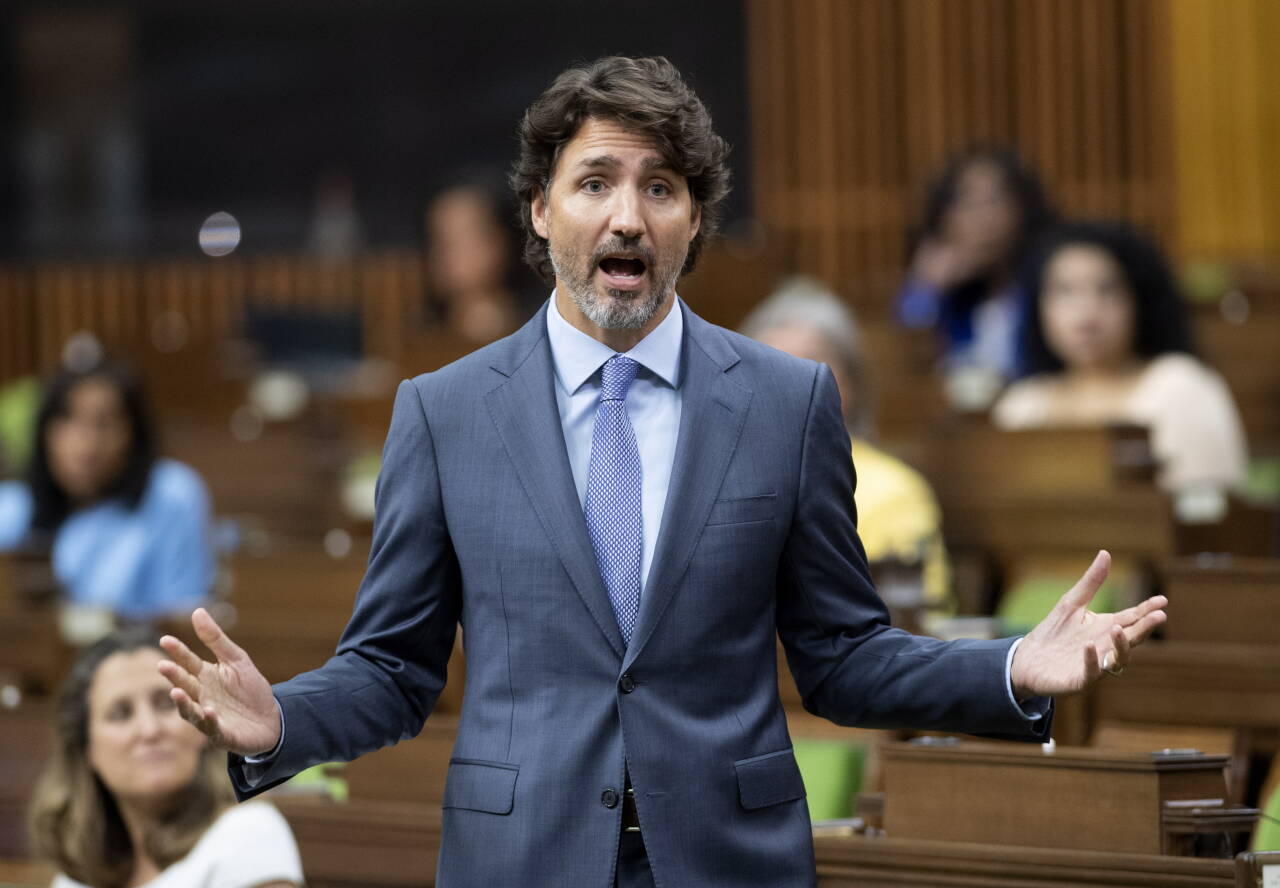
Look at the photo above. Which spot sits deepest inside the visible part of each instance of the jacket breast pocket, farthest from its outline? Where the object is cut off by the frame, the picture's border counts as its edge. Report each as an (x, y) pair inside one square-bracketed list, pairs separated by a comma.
[(481, 786), (771, 779), (743, 510)]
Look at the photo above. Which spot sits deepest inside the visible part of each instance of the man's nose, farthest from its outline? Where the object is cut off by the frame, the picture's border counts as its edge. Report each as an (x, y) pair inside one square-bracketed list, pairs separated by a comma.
[(627, 218)]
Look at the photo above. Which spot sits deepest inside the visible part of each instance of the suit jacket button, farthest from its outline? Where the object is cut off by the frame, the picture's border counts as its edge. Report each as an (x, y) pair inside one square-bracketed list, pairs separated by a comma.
[(609, 798), (626, 684)]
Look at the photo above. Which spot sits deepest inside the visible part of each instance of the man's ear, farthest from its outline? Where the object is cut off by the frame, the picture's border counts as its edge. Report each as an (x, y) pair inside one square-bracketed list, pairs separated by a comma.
[(696, 220), (538, 213)]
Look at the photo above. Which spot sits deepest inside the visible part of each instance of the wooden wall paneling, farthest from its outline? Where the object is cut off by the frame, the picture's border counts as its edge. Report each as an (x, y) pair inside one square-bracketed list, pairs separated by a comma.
[(188, 293), (882, 176), (1094, 114), (825, 110), (226, 292), (805, 181), (166, 304), (1071, 84), (980, 96), (1265, 33), (766, 76), (57, 314), (1226, 116), (19, 343)]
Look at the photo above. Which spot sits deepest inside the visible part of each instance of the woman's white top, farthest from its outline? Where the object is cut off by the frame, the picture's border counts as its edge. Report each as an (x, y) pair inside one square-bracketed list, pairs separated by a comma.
[(248, 845), (1196, 433)]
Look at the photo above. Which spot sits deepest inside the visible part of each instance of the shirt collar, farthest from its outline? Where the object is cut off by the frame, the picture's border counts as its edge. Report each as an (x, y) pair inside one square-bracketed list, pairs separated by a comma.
[(576, 356)]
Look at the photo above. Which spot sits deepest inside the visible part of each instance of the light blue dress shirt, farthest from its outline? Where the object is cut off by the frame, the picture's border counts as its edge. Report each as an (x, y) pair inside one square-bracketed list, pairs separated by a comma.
[(653, 406), (140, 563)]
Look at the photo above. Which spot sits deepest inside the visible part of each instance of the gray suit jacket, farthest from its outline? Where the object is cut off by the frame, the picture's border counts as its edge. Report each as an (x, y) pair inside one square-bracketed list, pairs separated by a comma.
[(478, 523)]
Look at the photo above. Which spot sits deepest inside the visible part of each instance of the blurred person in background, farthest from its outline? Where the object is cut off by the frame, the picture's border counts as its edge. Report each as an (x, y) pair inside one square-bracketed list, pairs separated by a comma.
[(980, 216), (129, 531), (477, 284), (335, 231), (898, 516), (1107, 341), (134, 796)]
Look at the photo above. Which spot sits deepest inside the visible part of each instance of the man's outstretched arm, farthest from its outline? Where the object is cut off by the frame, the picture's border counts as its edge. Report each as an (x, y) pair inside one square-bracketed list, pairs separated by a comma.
[(391, 662), (854, 669)]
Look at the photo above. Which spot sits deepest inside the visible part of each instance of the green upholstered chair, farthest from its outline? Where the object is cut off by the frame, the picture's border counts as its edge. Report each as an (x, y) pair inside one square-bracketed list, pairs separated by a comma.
[(832, 771), (1266, 836)]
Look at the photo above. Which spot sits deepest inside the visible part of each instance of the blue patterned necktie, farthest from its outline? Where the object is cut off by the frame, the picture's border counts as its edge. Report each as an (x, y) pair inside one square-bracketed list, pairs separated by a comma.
[(614, 520)]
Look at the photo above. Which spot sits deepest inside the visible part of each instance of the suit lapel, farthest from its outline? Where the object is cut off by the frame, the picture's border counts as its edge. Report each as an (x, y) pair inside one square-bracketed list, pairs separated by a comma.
[(523, 408), (712, 412)]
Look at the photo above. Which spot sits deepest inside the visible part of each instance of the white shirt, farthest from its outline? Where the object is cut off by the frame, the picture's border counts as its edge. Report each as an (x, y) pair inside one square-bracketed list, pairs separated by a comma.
[(248, 845)]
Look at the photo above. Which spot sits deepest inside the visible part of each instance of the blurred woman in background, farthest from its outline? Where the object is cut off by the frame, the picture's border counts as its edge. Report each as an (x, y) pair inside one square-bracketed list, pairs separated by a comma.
[(898, 516), (979, 218), (1107, 341), (478, 285), (135, 796), (129, 531)]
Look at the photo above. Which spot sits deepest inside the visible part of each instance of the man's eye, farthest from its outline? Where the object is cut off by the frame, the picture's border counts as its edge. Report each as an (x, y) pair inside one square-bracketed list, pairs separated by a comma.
[(659, 189), (593, 186)]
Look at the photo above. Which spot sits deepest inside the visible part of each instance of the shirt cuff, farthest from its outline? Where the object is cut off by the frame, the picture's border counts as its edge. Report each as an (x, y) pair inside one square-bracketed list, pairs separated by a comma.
[(267, 757), (1033, 708)]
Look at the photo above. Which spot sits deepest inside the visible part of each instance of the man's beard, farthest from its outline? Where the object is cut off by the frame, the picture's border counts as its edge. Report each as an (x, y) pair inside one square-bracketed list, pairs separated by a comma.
[(621, 309)]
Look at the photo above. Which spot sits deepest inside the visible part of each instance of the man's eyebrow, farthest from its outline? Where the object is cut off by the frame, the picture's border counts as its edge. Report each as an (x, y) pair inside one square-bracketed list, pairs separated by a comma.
[(657, 162), (599, 161)]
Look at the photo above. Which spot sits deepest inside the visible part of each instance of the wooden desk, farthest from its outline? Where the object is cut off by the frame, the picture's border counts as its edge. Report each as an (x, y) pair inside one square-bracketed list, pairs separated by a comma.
[(1195, 683), (411, 771), (1059, 492), (33, 656), (287, 477), (974, 458), (26, 739), (1019, 496), (365, 844), (1224, 600), (850, 861), (291, 605), (1009, 794)]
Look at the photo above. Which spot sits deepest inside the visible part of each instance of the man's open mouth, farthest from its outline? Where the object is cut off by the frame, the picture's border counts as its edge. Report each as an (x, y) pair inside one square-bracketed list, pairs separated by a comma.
[(622, 267)]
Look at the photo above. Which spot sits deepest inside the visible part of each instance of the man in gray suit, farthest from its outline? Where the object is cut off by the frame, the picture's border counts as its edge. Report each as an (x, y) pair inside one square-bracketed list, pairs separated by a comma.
[(623, 505)]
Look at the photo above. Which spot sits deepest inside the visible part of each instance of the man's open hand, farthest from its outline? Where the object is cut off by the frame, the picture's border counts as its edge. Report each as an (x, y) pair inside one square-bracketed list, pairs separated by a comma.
[(1072, 646), (229, 700)]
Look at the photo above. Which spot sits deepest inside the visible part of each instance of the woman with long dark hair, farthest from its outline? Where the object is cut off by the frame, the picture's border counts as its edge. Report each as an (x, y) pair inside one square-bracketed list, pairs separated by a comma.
[(128, 530), (134, 796), (1107, 341), (477, 283), (980, 216)]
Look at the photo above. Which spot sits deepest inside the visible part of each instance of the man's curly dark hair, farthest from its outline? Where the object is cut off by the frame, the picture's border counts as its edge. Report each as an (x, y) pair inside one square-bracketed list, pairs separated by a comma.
[(644, 95)]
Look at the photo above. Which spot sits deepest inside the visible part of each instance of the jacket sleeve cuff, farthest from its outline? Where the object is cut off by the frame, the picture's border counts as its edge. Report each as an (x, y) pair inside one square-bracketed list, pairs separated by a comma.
[(254, 767), (1033, 708)]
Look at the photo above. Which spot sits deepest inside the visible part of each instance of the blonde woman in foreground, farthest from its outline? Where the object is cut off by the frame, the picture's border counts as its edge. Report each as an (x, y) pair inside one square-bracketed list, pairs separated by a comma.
[(134, 797)]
